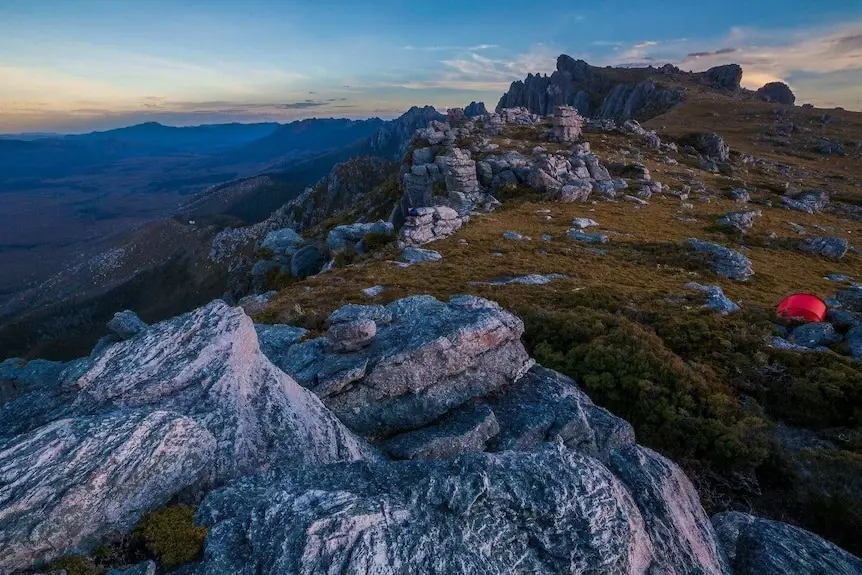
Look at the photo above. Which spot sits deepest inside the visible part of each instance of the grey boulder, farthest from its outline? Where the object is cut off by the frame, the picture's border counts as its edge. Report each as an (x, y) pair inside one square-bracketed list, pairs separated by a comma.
[(715, 298), (832, 247), (414, 255), (740, 222), (306, 262), (580, 235), (283, 242), (757, 546), (814, 334), (126, 324), (725, 261)]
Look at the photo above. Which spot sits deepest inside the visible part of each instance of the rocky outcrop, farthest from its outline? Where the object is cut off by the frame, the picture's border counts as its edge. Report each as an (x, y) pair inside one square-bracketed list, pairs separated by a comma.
[(777, 93), (757, 546), (428, 358), (349, 237), (725, 261), (189, 402), (567, 123), (475, 109), (815, 334), (725, 77), (593, 91), (425, 225)]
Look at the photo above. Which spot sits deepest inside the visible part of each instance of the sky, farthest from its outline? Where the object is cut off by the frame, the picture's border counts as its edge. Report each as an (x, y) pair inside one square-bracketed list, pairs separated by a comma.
[(74, 66)]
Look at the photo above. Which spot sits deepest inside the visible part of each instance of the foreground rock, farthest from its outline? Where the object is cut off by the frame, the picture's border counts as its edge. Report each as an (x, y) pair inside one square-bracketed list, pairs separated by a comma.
[(428, 357), (189, 402), (725, 261), (757, 546), (126, 324), (481, 513)]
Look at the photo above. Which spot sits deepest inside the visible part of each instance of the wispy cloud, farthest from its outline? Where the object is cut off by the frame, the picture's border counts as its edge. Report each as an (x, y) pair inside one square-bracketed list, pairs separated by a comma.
[(476, 48), (479, 73)]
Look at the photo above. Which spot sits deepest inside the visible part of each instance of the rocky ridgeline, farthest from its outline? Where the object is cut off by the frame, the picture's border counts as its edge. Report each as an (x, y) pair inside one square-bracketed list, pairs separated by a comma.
[(296, 449), (625, 94)]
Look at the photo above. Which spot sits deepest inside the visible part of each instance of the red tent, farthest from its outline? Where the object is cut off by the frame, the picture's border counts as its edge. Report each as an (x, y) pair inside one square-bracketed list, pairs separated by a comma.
[(803, 305)]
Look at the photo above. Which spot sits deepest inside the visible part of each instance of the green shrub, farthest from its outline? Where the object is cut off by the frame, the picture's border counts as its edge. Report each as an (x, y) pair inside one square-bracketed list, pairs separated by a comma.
[(683, 410), (374, 242), (171, 535)]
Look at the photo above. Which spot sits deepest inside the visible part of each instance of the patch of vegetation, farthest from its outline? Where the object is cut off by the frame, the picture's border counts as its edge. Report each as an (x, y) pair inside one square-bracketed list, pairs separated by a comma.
[(678, 408), (374, 242), (171, 536), (75, 565)]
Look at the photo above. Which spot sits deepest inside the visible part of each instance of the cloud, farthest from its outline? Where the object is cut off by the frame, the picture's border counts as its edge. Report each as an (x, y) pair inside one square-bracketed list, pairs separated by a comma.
[(475, 72), (301, 105), (715, 53), (475, 48)]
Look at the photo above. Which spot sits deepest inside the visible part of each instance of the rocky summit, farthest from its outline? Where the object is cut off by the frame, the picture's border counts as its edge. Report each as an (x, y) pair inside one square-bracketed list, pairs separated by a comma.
[(538, 338)]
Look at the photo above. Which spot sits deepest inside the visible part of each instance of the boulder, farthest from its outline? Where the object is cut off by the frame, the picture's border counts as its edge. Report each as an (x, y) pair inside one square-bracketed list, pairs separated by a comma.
[(713, 146), (283, 242), (581, 236), (126, 324), (725, 261), (428, 224), (575, 191), (832, 247), (529, 280), (343, 238), (810, 202), (776, 92), (414, 255), (307, 261), (584, 223), (726, 77), (256, 303), (815, 334), (740, 196), (460, 172), (463, 430), (431, 358), (850, 298), (758, 546), (740, 222), (715, 298)]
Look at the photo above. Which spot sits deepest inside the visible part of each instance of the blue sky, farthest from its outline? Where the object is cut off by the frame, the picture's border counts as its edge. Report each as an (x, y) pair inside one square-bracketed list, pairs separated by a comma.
[(79, 65)]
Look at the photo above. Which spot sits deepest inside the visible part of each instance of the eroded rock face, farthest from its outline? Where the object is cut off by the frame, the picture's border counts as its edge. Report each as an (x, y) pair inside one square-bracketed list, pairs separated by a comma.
[(479, 513), (425, 225), (189, 402), (475, 109), (757, 546), (464, 430), (70, 482), (430, 358)]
